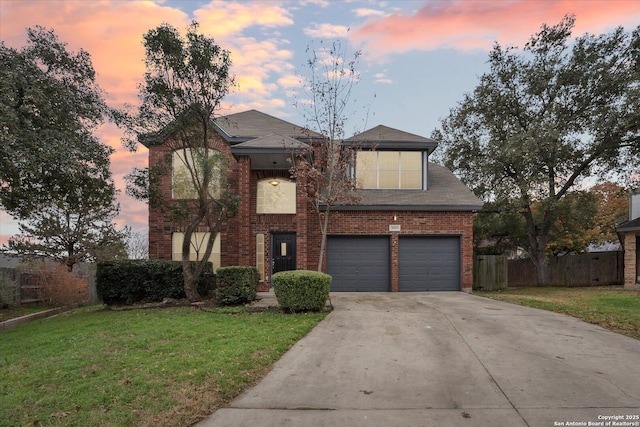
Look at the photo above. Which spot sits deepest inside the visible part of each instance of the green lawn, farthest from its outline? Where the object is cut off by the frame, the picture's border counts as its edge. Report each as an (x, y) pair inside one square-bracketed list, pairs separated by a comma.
[(610, 307), (154, 367)]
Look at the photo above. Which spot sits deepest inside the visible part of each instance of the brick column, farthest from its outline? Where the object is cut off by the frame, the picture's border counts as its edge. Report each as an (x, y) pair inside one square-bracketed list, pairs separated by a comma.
[(302, 210), (630, 260), (394, 262), (245, 242), (160, 226), (466, 242)]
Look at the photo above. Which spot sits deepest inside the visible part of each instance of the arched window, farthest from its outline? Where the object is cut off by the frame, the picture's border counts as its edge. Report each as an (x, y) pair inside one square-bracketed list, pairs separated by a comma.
[(276, 199)]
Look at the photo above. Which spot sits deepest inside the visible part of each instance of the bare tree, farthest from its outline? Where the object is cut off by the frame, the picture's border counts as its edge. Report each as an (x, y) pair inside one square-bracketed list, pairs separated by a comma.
[(324, 169), (138, 245)]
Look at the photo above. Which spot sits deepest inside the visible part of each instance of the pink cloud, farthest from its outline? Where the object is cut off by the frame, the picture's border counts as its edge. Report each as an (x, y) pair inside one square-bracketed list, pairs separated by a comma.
[(111, 31), (226, 19), (470, 25)]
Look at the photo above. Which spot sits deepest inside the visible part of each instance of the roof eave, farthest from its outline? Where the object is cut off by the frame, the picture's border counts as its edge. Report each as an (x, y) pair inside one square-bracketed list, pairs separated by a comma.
[(394, 145), (424, 208)]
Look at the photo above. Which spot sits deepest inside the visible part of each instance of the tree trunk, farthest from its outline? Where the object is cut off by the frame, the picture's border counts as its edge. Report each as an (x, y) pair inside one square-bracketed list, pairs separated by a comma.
[(323, 240), (538, 238), (541, 262), (190, 284), (190, 277)]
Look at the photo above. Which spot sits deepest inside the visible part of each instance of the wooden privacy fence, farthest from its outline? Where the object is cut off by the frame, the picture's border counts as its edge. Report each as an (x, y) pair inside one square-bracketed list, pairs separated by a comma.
[(19, 287), (588, 269), (490, 272)]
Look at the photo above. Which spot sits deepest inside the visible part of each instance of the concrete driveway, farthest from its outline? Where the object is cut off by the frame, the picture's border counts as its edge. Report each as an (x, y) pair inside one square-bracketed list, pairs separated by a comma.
[(445, 359)]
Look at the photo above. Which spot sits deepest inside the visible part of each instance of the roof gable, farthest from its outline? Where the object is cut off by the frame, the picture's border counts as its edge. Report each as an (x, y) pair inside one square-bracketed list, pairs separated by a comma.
[(247, 125), (384, 137), (384, 133), (274, 141)]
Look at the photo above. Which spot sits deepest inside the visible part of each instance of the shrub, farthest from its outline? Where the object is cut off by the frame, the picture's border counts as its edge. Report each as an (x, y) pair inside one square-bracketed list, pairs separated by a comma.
[(134, 281), (300, 290), (8, 289), (236, 285), (56, 286)]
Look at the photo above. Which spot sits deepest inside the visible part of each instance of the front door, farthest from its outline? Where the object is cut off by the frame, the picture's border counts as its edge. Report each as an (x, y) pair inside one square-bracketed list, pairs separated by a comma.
[(283, 252)]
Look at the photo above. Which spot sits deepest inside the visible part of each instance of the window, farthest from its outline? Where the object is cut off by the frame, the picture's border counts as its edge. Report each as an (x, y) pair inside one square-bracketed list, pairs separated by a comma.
[(198, 245), (389, 169), (276, 199), (184, 163)]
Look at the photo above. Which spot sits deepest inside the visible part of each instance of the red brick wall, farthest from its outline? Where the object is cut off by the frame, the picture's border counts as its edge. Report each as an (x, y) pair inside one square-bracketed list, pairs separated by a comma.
[(161, 227), (411, 223), (238, 234)]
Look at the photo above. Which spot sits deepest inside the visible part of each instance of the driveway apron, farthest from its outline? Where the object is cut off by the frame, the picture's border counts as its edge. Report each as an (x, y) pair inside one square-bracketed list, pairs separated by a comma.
[(445, 359)]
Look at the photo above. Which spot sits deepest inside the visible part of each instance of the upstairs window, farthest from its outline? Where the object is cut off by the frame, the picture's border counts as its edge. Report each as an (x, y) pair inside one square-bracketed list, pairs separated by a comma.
[(186, 167), (389, 169), (276, 199)]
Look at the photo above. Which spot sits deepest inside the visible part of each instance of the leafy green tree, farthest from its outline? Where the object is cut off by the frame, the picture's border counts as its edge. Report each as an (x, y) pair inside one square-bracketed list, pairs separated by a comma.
[(613, 210), (185, 82), (543, 119), (71, 232), (55, 174), (49, 106)]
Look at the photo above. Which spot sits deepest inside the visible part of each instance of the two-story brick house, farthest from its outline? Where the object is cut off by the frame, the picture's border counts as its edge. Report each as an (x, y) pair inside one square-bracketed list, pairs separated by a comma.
[(410, 231)]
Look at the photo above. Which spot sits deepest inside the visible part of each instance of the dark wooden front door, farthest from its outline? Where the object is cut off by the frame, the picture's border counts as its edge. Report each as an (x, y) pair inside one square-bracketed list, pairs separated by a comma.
[(283, 252)]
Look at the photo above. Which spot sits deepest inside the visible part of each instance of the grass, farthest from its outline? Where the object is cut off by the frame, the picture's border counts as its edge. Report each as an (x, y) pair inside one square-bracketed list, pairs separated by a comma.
[(155, 367), (610, 307)]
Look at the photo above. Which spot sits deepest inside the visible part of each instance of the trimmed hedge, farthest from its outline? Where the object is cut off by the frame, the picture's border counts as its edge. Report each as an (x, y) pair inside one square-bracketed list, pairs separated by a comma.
[(236, 285), (301, 290), (135, 281)]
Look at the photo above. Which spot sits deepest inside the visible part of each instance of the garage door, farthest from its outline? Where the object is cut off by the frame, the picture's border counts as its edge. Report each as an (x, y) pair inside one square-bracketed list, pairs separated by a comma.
[(358, 263), (428, 264)]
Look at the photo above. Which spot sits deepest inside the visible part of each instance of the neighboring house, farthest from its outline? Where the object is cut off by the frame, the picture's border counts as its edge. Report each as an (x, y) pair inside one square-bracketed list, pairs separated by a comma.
[(412, 230), (629, 234)]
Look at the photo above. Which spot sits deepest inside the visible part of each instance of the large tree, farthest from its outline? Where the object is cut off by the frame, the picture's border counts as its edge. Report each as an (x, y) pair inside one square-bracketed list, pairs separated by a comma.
[(50, 105), (185, 81), (324, 169), (543, 119), (613, 210), (70, 232), (55, 174)]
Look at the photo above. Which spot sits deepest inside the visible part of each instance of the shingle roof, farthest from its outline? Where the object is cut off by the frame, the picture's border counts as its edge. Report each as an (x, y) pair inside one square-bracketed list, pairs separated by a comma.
[(272, 141), (386, 138), (633, 225), (382, 133), (446, 192), (252, 124)]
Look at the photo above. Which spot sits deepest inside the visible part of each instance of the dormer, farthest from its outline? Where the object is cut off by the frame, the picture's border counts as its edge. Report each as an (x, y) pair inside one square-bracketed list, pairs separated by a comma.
[(389, 159)]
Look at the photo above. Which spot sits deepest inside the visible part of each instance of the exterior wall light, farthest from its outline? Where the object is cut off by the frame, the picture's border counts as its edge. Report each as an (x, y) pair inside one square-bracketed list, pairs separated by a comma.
[(274, 181)]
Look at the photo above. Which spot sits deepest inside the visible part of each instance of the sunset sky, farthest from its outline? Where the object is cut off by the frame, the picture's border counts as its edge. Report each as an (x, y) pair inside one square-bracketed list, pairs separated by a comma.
[(418, 57)]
